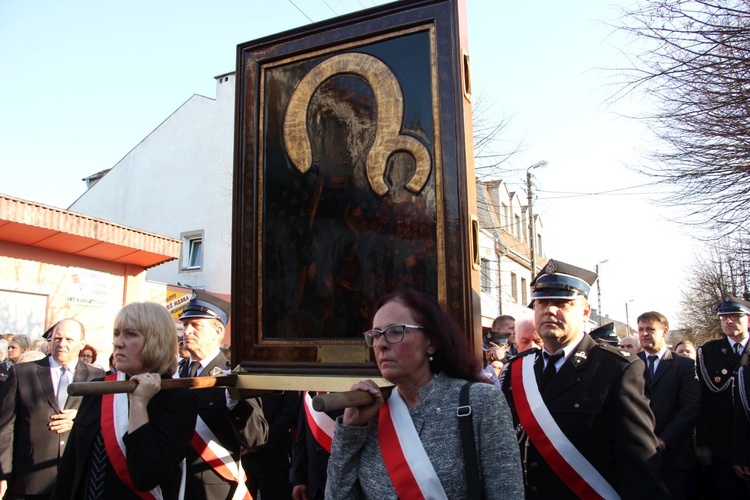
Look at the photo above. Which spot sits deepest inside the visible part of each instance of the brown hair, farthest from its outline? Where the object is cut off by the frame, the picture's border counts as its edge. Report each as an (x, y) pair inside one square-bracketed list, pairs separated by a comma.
[(452, 352), (654, 317)]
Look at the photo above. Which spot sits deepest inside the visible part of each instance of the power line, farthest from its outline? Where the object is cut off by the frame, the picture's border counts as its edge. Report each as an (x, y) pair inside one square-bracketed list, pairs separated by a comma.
[(302, 11), (334, 12)]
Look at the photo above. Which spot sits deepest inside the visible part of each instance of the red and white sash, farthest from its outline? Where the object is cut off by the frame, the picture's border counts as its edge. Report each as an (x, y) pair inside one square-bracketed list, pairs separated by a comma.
[(404, 455), (320, 424), (114, 422), (561, 455), (219, 459)]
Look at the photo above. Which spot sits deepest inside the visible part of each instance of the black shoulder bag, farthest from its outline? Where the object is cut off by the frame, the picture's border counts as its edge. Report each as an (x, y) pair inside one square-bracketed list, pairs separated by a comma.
[(473, 484)]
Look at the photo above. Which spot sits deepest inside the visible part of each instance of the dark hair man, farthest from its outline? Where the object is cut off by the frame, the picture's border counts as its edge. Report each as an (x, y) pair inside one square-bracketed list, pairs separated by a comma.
[(674, 394), (585, 426)]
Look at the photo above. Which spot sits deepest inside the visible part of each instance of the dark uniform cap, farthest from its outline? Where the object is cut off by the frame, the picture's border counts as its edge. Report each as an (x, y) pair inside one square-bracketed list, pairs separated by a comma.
[(605, 333), (496, 337), (733, 305), (559, 280), (203, 305)]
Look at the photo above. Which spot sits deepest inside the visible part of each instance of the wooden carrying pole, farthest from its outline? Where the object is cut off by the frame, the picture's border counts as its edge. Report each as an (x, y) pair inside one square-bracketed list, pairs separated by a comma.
[(127, 386), (334, 401)]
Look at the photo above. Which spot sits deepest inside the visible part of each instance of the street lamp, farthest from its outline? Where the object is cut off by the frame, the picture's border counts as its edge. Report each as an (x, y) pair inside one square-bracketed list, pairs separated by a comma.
[(627, 315), (532, 224), (599, 292)]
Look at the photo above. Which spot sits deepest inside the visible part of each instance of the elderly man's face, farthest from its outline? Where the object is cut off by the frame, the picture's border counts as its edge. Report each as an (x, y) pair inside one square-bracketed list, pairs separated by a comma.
[(526, 336), (202, 336), (629, 344), (67, 342)]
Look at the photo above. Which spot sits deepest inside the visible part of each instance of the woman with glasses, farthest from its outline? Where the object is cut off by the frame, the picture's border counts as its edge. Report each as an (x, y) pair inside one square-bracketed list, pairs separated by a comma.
[(132, 445), (410, 444), (88, 354)]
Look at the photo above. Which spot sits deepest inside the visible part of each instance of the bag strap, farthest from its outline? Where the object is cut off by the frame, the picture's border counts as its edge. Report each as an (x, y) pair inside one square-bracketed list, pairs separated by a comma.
[(467, 438)]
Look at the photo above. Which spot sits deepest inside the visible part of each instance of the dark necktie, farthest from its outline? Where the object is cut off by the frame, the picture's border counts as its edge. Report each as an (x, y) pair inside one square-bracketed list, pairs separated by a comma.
[(549, 369), (194, 368), (652, 364), (738, 348)]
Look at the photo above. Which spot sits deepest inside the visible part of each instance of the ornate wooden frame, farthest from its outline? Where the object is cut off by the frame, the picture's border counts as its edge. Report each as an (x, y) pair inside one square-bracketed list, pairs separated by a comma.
[(353, 176)]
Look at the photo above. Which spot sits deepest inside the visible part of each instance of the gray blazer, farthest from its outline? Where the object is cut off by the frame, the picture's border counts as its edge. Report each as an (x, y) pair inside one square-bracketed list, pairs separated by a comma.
[(356, 469)]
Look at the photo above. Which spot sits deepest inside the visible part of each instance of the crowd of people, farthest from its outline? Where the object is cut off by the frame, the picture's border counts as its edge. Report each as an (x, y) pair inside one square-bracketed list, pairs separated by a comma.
[(555, 412)]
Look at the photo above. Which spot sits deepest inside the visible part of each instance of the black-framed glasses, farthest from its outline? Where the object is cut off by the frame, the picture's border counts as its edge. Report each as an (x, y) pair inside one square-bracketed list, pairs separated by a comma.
[(393, 334)]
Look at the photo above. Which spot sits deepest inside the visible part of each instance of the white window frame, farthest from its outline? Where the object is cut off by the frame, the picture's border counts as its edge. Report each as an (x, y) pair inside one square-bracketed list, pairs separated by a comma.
[(187, 253)]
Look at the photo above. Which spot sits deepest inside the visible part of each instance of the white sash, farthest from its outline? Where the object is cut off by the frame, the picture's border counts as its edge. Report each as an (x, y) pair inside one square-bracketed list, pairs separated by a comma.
[(213, 452), (320, 424), (412, 449), (551, 432), (121, 414)]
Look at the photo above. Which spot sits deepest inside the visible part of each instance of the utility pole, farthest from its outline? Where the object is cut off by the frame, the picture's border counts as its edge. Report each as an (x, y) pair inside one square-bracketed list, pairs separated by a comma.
[(532, 222), (599, 292)]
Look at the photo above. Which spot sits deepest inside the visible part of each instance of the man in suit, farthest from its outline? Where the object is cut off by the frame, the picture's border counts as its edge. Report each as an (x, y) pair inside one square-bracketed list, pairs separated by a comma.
[(673, 390), (36, 414), (311, 451), (583, 422), (718, 362), (229, 423)]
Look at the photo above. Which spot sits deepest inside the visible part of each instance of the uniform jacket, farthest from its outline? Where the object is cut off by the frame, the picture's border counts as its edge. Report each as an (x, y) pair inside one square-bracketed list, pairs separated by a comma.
[(229, 427), (741, 441), (674, 395), (597, 400), (154, 451), (29, 452), (717, 365)]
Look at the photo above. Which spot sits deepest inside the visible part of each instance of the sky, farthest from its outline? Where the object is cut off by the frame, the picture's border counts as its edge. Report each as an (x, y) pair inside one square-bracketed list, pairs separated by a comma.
[(83, 81)]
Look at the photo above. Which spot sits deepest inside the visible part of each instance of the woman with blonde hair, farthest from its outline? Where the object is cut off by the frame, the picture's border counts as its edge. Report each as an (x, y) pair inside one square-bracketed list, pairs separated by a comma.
[(132, 445)]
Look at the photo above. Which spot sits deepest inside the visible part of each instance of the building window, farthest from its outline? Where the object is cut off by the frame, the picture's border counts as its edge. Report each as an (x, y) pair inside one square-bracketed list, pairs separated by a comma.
[(506, 220), (486, 279), (524, 292), (518, 227), (514, 287), (192, 251)]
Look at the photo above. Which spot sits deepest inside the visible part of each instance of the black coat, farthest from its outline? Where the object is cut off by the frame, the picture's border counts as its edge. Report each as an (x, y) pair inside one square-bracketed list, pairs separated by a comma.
[(154, 451), (598, 402), (717, 367), (309, 459), (227, 425), (674, 395), (29, 452), (741, 441)]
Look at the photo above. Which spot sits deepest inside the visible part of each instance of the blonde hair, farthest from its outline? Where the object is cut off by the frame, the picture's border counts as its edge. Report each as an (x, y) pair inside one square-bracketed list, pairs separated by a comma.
[(159, 334)]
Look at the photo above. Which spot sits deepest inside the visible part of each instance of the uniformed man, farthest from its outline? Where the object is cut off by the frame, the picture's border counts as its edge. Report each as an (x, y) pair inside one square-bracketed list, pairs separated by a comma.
[(215, 471), (605, 334), (718, 362), (583, 422), (741, 442)]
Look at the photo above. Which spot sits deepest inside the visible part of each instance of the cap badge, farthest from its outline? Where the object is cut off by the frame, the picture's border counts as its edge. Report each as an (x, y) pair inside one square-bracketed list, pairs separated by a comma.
[(550, 268)]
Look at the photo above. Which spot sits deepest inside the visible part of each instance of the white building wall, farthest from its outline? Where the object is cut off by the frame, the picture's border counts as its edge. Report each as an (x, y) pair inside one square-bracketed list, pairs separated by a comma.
[(177, 180)]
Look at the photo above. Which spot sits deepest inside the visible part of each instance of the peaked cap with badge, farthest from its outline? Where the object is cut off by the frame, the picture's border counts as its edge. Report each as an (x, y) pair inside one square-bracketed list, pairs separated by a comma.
[(733, 305), (605, 333), (204, 305), (559, 280)]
